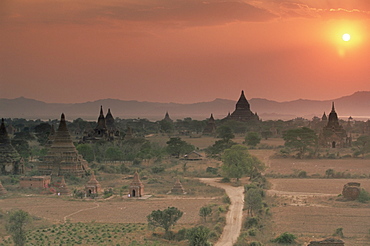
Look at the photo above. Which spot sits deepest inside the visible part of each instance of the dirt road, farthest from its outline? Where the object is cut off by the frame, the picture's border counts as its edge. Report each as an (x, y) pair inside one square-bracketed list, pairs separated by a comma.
[(234, 216)]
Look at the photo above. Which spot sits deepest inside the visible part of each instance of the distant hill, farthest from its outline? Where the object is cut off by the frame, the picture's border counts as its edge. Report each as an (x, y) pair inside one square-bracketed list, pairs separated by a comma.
[(356, 105)]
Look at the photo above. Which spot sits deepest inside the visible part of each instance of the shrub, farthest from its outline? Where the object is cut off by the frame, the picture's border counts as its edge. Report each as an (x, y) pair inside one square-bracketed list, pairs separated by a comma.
[(225, 180), (285, 237), (302, 174), (212, 170), (226, 199), (255, 244), (364, 196), (251, 222), (339, 232), (157, 169)]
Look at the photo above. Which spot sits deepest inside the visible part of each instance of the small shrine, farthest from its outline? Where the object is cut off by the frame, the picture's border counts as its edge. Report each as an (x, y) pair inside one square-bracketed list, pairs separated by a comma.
[(63, 189), (92, 187), (136, 187), (178, 188)]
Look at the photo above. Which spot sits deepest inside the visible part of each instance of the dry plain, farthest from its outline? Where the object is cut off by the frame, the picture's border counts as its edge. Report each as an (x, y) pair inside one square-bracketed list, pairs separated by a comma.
[(306, 207)]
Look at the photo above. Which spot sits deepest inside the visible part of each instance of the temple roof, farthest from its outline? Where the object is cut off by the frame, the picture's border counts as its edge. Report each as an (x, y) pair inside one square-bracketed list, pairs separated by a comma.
[(242, 102), (4, 138), (109, 120), (101, 120), (333, 117), (62, 137)]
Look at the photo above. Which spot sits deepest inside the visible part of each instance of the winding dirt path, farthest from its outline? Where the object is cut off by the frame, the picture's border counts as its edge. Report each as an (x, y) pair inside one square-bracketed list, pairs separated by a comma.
[(234, 216)]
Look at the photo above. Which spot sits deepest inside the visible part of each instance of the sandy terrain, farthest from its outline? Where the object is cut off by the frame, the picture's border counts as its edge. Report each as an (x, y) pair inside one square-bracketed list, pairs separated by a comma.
[(55, 208), (234, 216)]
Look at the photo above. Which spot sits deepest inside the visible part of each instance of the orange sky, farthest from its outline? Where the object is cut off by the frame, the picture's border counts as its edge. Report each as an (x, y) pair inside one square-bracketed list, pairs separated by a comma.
[(183, 50)]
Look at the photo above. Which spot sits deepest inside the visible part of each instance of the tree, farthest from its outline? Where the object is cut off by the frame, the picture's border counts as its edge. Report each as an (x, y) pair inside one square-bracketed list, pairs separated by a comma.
[(219, 147), (237, 162), (253, 200), (16, 226), (113, 154), (362, 145), (176, 147), (198, 236), (300, 139), (204, 212), (225, 133), (86, 151), (165, 219), (252, 139)]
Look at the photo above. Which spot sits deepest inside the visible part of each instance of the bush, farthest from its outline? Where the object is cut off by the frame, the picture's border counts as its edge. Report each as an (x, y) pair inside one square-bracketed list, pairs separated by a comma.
[(226, 199), (225, 180), (286, 238), (251, 222), (364, 196), (255, 244), (157, 169), (212, 170), (302, 174), (339, 232)]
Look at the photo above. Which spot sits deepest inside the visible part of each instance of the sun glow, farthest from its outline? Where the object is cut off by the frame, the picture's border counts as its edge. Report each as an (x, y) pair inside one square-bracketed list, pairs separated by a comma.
[(346, 37)]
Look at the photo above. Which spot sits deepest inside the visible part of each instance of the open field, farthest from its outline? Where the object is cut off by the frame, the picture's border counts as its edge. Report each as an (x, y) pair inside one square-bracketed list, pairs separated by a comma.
[(117, 210)]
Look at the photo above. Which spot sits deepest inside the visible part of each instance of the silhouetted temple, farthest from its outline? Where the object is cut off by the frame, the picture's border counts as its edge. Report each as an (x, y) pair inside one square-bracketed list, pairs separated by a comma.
[(210, 128), (62, 157), (167, 117), (10, 160), (242, 111), (333, 134), (105, 129)]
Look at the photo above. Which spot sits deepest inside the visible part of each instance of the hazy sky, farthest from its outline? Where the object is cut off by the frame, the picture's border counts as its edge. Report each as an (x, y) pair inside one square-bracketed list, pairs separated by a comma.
[(183, 50)]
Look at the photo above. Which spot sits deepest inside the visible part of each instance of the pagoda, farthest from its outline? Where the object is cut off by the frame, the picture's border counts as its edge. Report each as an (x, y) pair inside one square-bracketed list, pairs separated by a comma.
[(10, 160), (242, 111), (178, 188), (167, 117), (93, 186), (136, 188), (333, 134), (63, 189), (210, 128), (62, 157)]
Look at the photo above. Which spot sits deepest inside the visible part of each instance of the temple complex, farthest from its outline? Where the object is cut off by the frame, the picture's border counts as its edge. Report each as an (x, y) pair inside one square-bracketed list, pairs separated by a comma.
[(62, 157), (210, 128), (93, 186), (242, 111), (104, 130), (333, 134), (10, 160), (136, 188)]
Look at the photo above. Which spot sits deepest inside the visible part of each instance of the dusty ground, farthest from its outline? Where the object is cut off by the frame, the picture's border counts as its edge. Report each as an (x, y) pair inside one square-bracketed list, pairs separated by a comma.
[(234, 216), (310, 208), (117, 210)]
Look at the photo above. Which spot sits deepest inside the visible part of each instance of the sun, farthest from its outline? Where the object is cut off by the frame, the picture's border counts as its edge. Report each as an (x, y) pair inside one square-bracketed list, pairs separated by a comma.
[(346, 37)]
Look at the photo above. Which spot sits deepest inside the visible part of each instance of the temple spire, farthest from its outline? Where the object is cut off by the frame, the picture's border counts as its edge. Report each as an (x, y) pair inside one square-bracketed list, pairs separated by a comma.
[(332, 107)]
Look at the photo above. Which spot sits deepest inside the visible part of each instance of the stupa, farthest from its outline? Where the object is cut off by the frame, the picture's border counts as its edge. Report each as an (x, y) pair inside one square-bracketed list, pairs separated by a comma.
[(63, 189), (62, 157), (210, 128), (242, 111), (93, 186), (178, 188), (136, 188), (10, 160)]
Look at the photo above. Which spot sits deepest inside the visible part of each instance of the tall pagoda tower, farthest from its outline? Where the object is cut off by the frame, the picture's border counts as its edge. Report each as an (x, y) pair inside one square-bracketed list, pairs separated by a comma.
[(242, 111), (10, 160), (62, 157), (333, 134)]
